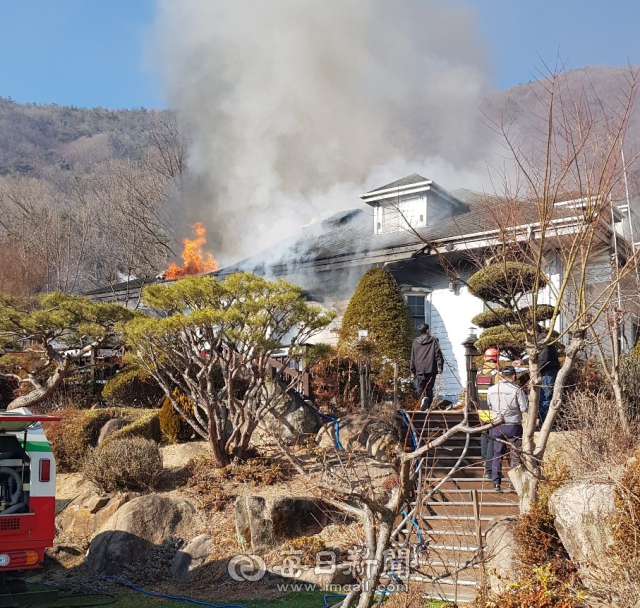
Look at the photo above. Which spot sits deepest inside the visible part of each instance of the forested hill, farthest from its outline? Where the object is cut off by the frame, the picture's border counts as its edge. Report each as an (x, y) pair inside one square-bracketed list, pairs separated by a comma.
[(524, 106), (36, 138)]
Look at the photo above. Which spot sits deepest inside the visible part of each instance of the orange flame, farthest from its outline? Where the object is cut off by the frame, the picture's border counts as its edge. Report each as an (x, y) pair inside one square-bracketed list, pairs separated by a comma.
[(195, 262)]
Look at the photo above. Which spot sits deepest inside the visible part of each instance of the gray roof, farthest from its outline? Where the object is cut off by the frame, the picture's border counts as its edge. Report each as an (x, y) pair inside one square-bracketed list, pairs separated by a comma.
[(348, 238), (133, 285)]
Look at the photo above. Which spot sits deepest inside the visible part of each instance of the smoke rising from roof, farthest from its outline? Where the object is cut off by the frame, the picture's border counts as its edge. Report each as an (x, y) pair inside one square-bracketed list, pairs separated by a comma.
[(294, 107)]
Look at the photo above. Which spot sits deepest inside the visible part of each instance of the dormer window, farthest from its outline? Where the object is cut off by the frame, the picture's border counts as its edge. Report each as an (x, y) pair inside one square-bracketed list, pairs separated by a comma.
[(407, 205)]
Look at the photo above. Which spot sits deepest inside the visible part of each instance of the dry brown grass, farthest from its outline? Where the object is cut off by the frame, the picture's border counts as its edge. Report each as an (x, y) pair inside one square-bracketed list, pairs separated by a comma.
[(540, 587), (213, 488), (307, 548), (598, 444), (411, 598), (623, 580)]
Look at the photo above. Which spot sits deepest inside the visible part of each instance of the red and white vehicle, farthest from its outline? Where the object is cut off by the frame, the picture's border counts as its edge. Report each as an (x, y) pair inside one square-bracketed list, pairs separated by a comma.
[(27, 490)]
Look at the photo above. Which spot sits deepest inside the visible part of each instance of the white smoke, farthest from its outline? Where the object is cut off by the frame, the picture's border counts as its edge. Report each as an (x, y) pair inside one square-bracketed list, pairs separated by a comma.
[(294, 107)]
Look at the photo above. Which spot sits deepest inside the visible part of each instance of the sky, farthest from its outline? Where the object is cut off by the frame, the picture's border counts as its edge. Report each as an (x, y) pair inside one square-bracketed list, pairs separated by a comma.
[(90, 53)]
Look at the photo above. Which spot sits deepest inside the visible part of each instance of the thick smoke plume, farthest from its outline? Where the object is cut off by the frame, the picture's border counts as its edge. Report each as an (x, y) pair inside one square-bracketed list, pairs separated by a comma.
[(294, 107)]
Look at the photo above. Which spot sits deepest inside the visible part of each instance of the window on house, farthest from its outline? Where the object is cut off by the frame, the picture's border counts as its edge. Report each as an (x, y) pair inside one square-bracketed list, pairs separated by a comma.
[(419, 307), (409, 212)]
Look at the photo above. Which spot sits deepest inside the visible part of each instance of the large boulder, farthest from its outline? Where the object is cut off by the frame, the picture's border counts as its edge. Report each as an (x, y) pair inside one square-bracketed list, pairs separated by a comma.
[(192, 556), (360, 433), (292, 420), (584, 514), (500, 551), (137, 528), (86, 514), (267, 521)]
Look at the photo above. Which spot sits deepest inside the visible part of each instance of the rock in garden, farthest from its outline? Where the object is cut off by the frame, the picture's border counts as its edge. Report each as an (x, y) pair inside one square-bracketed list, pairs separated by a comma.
[(500, 551), (137, 528), (292, 420), (191, 557), (110, 427), (87, 513), (362, 433), (584, 514), (264, 522)]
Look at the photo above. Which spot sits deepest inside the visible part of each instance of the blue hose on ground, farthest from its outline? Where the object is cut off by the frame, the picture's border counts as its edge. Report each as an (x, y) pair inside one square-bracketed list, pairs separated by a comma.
[(415, 525), (337, 425), (408, 423), (128, 583), (334, 595)]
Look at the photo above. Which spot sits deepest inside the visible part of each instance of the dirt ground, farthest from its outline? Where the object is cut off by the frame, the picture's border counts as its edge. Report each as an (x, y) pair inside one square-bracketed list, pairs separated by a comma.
[(69, 571)]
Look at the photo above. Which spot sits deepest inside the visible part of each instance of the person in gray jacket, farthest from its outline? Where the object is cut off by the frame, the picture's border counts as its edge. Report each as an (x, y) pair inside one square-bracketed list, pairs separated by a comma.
[(507, 400)]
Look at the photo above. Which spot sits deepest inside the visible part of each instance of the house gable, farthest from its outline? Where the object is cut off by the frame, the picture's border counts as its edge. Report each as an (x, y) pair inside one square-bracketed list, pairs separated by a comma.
[(411, 203)]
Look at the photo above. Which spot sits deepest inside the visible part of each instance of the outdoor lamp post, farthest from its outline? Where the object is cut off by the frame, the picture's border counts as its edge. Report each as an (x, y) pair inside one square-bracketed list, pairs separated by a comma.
[(470, 353), (364, 368)]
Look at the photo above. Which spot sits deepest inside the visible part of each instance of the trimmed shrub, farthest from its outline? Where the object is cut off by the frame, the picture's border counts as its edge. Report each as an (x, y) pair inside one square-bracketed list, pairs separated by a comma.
[(377, 305), (131, 463), (502, 316), (504, 281), (75, 434), (133, 387), (502, 336), (173, 426)]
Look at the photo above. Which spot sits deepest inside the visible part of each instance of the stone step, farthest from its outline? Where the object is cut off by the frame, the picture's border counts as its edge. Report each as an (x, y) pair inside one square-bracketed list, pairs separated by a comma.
[(484, 495), (438, 471), (459, 482), (449, 459), (450, 592), (446, 590), (487, 509)]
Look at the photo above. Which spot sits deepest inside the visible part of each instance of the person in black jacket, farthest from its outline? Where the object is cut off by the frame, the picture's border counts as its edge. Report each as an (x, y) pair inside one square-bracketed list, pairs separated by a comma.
[(549, 366), (426, 363)]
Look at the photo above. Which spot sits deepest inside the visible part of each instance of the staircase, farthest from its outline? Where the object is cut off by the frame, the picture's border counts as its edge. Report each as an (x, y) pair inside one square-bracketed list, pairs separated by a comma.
[(453, 506)]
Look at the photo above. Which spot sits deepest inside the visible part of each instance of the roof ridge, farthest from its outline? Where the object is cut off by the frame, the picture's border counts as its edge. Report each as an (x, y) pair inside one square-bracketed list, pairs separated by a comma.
[(414, 178)]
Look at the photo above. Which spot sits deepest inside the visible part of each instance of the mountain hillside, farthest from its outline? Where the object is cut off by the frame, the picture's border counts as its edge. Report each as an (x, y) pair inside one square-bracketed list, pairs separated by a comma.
[(524, 106), (37, 138)]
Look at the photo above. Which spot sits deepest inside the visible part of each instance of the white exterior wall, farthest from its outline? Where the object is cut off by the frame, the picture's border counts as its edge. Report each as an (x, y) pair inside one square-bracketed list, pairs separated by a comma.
[(451, 314)]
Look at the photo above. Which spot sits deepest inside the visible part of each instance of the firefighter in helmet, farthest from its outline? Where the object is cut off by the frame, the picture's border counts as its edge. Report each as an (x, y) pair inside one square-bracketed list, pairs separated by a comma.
[(487, 376)]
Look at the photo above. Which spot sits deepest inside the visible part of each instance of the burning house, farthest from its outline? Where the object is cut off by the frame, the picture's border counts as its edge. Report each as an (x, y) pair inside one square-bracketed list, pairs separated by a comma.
[(423, 234)]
